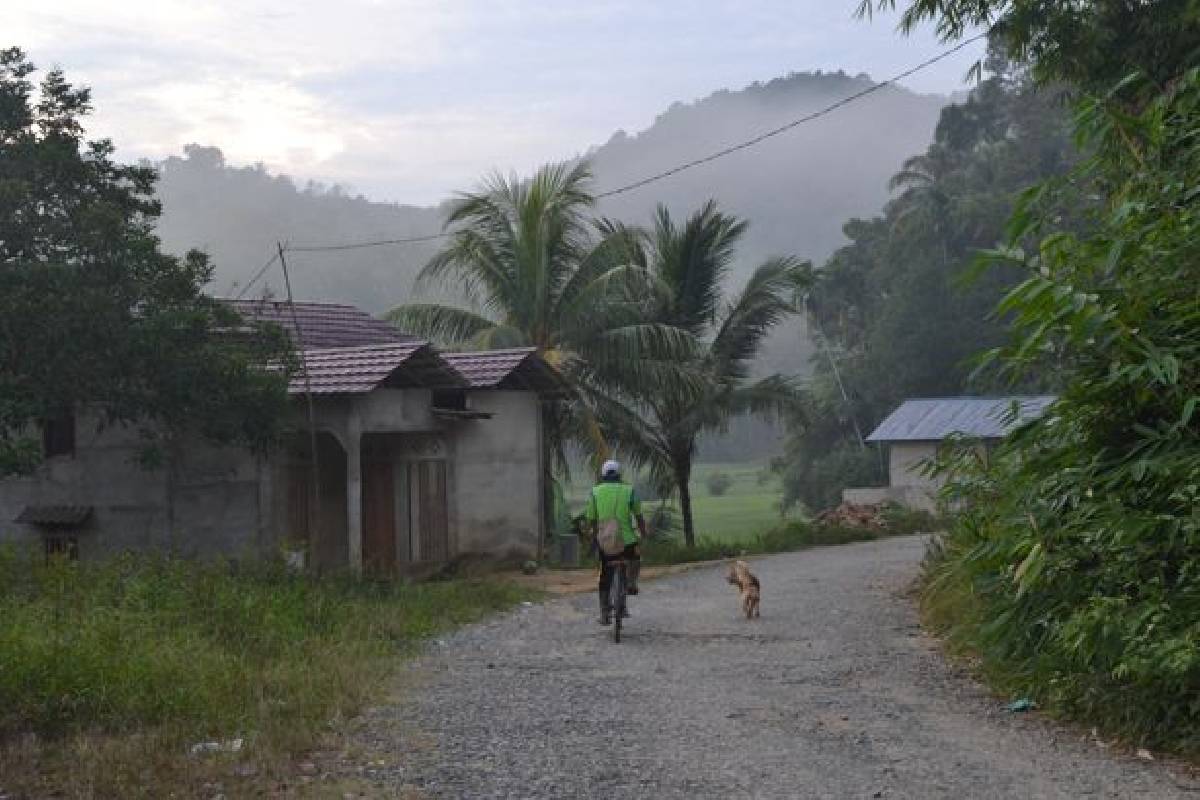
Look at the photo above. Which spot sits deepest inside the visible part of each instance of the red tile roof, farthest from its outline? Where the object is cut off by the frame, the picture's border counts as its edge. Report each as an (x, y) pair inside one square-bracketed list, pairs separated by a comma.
[(323, 325), (520, 368), (357, 370), (488, 369)]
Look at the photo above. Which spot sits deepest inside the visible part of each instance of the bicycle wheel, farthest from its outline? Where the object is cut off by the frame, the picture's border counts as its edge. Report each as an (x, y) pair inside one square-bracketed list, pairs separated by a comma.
[(616, 594)]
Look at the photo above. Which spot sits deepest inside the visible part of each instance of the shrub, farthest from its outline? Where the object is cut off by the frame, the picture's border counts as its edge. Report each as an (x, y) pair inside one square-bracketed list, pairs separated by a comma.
[(718, 484), (902, 520), (1074, 570), (817, 479), (662, 522)]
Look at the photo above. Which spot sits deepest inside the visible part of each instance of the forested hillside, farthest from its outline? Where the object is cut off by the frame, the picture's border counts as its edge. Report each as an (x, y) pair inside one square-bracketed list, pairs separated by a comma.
[(899, 310), (795, 190)]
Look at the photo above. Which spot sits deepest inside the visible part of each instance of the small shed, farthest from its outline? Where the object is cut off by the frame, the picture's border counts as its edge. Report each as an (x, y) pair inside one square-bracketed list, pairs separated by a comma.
[(915, 430)]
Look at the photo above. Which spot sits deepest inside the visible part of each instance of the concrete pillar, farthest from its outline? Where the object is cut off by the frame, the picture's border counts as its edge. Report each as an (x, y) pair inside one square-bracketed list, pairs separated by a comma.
[(354, 531)]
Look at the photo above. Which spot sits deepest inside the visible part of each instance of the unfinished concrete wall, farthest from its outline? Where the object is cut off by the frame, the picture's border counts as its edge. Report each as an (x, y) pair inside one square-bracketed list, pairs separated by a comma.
[(129, 502), (213, 502), (497, 476), (207, 504)]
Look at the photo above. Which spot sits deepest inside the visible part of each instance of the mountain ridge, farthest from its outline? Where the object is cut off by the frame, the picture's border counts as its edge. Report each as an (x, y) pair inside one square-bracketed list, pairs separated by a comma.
[(797, 189)]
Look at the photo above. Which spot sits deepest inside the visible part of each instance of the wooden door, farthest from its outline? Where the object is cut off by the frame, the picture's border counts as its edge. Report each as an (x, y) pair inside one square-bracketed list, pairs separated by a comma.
[(430, 511), (379, 518)]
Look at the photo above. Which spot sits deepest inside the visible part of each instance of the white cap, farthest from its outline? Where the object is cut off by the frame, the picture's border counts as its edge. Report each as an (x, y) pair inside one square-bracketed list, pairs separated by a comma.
[(610, 468)]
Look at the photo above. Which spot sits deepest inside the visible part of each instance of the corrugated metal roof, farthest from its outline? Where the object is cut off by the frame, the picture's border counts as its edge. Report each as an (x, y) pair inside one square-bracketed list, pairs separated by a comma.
[(55, 516), (934, 419), (489, 368), (356, 370), (323, 325)]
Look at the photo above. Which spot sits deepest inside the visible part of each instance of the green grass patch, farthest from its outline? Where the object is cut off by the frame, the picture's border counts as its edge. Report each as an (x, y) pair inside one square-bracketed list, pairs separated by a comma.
[(787, 537), (165, 653), (747, 508)]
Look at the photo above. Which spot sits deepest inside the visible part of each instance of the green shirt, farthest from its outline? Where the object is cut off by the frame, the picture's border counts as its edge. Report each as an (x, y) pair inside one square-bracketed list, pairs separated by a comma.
[(613, 500)]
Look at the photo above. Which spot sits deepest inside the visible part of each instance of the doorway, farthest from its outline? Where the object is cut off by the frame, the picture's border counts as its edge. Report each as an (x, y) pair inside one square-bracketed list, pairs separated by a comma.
[(429, 524)]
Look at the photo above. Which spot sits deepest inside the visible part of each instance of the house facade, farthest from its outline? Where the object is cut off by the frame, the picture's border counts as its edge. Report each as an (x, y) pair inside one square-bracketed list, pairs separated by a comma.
[(402, 458), (915, 431)]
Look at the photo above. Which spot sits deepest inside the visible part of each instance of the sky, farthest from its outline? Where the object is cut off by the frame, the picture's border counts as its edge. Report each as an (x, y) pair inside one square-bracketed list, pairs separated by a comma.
[(410, 100)]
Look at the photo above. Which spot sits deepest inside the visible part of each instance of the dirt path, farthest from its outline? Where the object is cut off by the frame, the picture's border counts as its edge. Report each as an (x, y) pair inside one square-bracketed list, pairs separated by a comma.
[(834, 693)]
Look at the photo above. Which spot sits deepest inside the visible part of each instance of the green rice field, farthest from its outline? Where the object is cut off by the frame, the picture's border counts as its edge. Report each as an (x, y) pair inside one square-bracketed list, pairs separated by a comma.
[(749, 507)]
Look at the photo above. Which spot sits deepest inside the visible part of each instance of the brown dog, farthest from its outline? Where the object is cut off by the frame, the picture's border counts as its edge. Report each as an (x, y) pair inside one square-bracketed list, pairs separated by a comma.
[(748, 587)]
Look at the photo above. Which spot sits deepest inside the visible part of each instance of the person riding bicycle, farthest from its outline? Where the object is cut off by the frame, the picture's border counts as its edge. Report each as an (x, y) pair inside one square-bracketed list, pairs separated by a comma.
[(613, 508)]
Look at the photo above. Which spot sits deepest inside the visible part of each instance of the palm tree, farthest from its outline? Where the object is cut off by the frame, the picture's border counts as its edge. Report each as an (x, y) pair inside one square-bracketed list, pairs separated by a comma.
[(691, 265), (924, 203), (534, 270)]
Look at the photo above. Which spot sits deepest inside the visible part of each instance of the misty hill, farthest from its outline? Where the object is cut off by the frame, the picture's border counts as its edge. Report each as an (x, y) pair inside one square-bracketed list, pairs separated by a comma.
[(797, 189), (236, 215)]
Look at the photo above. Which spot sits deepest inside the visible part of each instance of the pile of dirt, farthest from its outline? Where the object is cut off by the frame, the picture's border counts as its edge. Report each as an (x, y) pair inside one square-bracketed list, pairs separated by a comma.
[(849, 515)]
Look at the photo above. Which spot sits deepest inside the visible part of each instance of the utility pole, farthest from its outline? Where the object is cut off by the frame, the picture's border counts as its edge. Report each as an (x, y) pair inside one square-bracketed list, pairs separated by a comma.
[(314, 521)]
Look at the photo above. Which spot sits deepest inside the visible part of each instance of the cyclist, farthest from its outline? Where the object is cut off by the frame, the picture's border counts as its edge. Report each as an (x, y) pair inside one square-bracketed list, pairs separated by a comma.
[(613, 508)]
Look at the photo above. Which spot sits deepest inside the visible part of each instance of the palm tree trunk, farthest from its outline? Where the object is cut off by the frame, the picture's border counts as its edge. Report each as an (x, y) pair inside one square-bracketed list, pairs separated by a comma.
[(683, 474)]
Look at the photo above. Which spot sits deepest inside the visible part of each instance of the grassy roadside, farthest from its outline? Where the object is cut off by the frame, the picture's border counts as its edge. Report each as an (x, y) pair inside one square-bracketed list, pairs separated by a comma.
[(111, 673), (958, 605), (790, 536)]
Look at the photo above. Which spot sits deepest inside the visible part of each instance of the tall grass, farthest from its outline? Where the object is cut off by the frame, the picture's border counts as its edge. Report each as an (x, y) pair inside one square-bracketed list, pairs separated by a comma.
[(186, 652)]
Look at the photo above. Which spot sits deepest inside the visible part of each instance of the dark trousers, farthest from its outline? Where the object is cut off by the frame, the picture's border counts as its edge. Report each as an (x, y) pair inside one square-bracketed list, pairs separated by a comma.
[(632, 556)]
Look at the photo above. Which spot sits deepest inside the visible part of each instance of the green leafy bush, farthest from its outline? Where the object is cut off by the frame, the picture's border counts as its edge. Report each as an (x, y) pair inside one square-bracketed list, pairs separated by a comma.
[(1074, 571), (816, 480), (662, 522)]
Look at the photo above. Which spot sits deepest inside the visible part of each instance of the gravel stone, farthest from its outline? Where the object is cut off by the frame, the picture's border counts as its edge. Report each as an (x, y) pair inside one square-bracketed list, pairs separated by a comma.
[(834, 693)]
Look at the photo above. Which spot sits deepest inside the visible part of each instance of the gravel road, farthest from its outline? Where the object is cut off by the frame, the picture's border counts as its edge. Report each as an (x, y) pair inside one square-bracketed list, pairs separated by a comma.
[(834, 692)]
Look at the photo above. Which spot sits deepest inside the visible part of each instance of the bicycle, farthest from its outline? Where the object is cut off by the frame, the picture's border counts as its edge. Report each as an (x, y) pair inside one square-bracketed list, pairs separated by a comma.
[(616, 596)]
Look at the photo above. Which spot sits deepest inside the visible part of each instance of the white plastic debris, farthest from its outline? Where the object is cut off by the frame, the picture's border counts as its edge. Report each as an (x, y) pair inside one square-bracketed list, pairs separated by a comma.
[(230, 746)]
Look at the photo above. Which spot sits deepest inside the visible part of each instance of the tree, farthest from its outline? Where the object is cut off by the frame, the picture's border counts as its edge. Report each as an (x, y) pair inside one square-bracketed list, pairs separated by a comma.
[(690, 265), (534, 270), (92, 313), (1072, 568), (1091, 44), (893, 312)]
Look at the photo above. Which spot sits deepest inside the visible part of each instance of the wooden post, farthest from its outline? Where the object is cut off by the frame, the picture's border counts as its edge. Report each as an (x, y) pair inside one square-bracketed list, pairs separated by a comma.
[(314, 523)]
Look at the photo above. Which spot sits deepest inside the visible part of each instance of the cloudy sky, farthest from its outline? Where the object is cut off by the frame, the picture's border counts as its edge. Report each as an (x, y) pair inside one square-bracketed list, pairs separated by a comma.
[(408, 100)]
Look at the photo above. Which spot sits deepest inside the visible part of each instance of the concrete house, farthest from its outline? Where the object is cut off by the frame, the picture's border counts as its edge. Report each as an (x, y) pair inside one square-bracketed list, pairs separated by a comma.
[(414, 457), (916, 429)]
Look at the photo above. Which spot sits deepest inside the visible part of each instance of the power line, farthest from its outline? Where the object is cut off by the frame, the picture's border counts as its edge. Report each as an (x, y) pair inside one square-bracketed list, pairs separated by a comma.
[(788, 126), (356, 245), (262, 271), (332, 247), (637, 184)]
